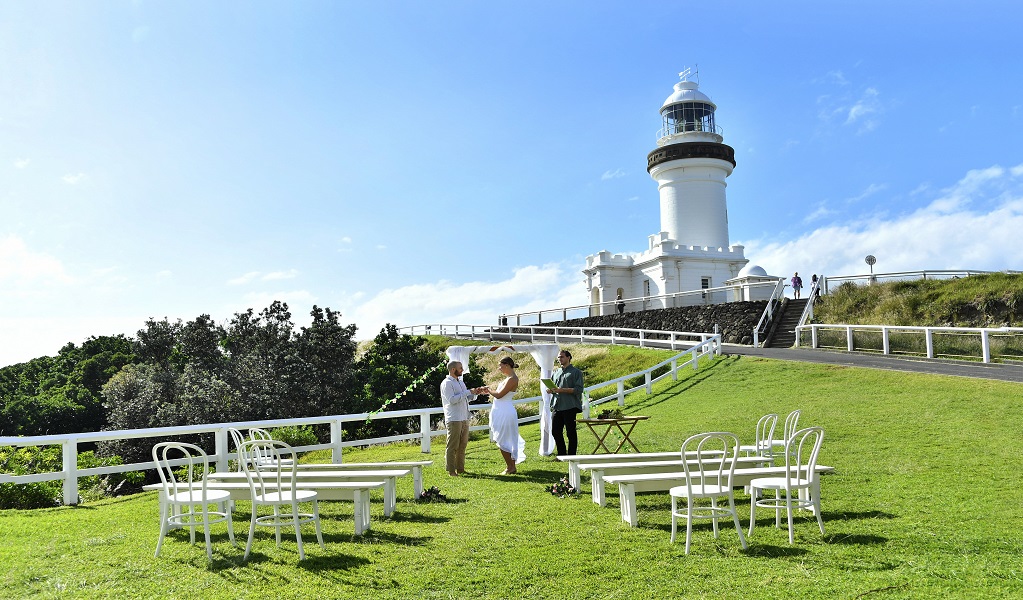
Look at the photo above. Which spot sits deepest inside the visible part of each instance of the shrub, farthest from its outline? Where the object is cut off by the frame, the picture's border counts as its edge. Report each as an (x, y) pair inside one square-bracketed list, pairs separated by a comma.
[(295, 436)]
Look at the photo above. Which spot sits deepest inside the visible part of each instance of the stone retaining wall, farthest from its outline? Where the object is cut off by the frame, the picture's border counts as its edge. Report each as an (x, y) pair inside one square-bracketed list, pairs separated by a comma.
[(736, 320)]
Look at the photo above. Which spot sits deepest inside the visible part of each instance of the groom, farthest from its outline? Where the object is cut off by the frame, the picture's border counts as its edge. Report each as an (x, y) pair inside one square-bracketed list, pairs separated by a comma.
[(566, 403), (456, 397)]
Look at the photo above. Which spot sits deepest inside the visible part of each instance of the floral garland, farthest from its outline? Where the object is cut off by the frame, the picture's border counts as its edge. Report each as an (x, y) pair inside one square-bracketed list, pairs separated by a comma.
[(562, 488), (408, 389)]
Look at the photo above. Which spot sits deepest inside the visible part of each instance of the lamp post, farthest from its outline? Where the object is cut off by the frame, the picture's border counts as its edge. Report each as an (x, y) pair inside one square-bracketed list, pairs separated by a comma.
[(870, 260)]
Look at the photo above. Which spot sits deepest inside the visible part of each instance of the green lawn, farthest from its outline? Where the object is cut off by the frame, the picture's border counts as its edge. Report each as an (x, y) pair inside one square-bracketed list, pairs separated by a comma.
[(925, 502)]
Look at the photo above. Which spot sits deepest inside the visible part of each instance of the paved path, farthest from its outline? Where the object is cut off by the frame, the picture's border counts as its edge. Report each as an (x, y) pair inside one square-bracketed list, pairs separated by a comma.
[(958, 368)]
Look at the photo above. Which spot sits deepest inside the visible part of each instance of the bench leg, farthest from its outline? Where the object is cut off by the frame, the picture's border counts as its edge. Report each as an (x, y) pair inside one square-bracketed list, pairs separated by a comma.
[(359, 500), (390, 496), (597, 486), (417, 481), (627, 499), (574, 475)]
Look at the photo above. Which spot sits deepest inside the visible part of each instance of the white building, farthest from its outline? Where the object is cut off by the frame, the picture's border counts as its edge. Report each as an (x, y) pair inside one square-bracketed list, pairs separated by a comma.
[(691, 251)]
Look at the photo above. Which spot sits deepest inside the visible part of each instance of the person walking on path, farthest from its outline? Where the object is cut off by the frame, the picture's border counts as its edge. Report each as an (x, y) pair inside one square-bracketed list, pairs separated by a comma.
[(797, 284), (620, 305), (566, 403), (456, 397)]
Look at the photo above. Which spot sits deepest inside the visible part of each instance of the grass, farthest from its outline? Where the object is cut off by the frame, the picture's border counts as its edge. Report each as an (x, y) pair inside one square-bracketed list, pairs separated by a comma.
[(925, 503)]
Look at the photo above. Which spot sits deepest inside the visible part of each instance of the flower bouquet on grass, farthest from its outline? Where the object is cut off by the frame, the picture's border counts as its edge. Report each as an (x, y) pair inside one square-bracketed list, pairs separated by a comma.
[(432, 495), (562, 488)]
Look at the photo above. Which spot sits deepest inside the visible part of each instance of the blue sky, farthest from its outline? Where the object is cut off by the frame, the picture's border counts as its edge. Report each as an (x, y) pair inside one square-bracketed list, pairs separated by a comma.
[(416, 162)]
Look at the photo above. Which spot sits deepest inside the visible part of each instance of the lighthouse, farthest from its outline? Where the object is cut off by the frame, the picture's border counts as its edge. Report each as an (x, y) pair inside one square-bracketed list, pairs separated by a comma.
[(691, 252)]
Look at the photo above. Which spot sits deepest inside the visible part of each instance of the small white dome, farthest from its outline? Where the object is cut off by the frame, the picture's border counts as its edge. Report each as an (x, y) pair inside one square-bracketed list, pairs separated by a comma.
[(687, 91), (752, 270)]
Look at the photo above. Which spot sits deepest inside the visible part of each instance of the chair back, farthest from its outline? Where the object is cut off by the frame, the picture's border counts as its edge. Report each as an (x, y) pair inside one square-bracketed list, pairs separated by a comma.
[(255, 433), (801, 451), (791, 422), (269, 465), (171, 456), (238, 438), (765, 435), (715, 453)]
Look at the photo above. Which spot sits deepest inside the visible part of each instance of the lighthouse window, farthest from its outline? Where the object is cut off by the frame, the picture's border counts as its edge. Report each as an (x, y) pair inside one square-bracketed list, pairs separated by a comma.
[(690, 116)]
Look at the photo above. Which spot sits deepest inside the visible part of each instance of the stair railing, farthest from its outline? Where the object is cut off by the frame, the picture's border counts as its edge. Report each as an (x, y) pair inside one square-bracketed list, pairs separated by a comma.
[(807, 315), (768, 315)]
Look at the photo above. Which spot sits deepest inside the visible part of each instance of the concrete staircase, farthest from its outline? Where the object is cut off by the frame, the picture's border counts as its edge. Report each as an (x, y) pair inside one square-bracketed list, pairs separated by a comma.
[(784, 335)]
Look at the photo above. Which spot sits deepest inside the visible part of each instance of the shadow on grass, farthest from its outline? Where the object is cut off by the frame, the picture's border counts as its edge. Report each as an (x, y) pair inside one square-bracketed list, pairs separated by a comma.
[(852, 515), (855, 539), (685, 385), (769, 551), (544, 476), (405, 517)]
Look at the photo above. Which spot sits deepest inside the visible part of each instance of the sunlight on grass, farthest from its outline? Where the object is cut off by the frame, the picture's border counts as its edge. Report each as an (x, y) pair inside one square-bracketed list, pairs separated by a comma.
[(924, 503)]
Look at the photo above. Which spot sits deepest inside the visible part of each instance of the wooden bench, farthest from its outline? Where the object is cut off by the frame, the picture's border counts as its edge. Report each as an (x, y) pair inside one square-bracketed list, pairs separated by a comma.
[(629, 485), (574, 460), (415, 465), (358, 491), (598, 471), (387, 477)]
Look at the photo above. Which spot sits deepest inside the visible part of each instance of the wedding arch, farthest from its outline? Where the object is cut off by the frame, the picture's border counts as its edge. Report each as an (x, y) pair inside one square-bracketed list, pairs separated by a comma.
[(544, 355)]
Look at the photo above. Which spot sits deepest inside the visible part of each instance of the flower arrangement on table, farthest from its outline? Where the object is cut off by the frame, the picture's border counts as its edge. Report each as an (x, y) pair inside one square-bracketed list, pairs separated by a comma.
[(562, 488), (610, 413)]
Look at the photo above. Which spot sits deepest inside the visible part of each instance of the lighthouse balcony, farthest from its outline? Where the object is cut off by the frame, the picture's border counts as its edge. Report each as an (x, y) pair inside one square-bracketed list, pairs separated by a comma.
[(675, 133)]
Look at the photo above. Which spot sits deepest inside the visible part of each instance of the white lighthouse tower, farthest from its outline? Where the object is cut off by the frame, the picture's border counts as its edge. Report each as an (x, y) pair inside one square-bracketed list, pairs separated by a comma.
[(691, 251)]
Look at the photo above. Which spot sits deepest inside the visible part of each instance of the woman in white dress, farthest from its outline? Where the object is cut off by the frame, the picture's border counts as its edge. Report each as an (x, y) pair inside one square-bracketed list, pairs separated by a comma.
[(504, 419)]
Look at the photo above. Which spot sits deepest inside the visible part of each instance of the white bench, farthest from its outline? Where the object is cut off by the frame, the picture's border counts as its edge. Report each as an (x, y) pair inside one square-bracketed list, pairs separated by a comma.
[(574, 460), (629, 485), (415, 465), (598, 471), (387, 477), (358, 491)]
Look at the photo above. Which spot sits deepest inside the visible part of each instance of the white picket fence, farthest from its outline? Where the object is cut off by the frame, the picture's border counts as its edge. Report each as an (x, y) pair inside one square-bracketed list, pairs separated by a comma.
[(983, 334), (70, 473)]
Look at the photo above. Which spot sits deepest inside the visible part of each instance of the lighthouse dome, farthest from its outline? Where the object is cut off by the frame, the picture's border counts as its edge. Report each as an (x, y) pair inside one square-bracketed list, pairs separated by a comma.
[(687, 91), (752, 270)]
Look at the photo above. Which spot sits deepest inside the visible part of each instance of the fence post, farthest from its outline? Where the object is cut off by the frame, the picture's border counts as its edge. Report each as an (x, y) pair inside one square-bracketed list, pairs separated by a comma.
[(798, 334), (696, 359), (640, 338), (672, 340), (335, 442), (221, 448), (70, 451), (756, 339), (621, 393), (612, 336), (649, 387), (424, 429), (674, 370), (849, 338), (884, 340), (930, 342), (813, 336), (985, 345)]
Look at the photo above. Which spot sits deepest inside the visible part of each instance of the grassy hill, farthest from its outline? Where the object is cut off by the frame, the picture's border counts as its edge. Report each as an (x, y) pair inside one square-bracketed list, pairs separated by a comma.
[(992, 300), (924, 503)]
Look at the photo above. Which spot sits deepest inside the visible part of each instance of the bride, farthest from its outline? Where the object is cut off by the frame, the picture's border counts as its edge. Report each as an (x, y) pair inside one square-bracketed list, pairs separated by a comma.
[(504, 419)]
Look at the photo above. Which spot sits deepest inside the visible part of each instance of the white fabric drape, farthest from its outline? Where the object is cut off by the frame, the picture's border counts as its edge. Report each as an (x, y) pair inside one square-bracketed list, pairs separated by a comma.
[(544, 355)]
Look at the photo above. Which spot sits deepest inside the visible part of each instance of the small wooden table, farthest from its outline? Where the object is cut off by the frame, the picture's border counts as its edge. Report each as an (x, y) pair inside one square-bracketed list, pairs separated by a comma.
[(608, 425)]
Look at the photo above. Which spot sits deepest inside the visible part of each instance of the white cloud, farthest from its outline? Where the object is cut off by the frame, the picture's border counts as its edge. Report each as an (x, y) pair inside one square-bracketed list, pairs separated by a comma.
[(20, 264), (863, 111), (612, 174), (346, 240), (246, 278), (472, 303), (21, 163), (381, 247), (73, 179), (632, 199), (942, 235), (821, 212), (870, 191)]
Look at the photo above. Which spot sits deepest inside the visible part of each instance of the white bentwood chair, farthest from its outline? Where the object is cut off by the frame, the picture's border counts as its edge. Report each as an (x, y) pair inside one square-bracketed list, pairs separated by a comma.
[(270, 468), (764, 438), (184, 487), (801, 451), (791, 423), (708, 479)]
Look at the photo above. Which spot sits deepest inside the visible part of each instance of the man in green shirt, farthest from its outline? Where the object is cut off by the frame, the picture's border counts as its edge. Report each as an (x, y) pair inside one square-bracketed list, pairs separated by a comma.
[(566, 403)]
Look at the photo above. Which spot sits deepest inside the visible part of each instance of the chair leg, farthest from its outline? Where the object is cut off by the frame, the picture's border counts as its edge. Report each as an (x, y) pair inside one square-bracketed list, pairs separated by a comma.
[(788, 509), (277, 526), (163, 526), (674, 518), (229, 511), (815, 498), (206, 531), (252, 532), (298, 530), (316, 522), (752, 510), (689, 522), (191, 521), (777, 509), (713, 516), (735, 517)]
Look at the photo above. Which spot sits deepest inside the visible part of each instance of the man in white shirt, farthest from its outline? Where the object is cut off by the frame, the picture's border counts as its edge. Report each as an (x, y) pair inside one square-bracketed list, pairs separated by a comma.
[(456, 397)]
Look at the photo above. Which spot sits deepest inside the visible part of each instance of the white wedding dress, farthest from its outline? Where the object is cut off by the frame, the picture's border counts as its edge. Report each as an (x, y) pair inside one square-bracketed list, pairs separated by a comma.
[(504, 425)]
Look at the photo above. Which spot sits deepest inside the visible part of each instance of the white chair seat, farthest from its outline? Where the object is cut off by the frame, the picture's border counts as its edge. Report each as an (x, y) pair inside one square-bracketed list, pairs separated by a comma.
[(212, 497), (699, 491), (778, 483), (280, 497)]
